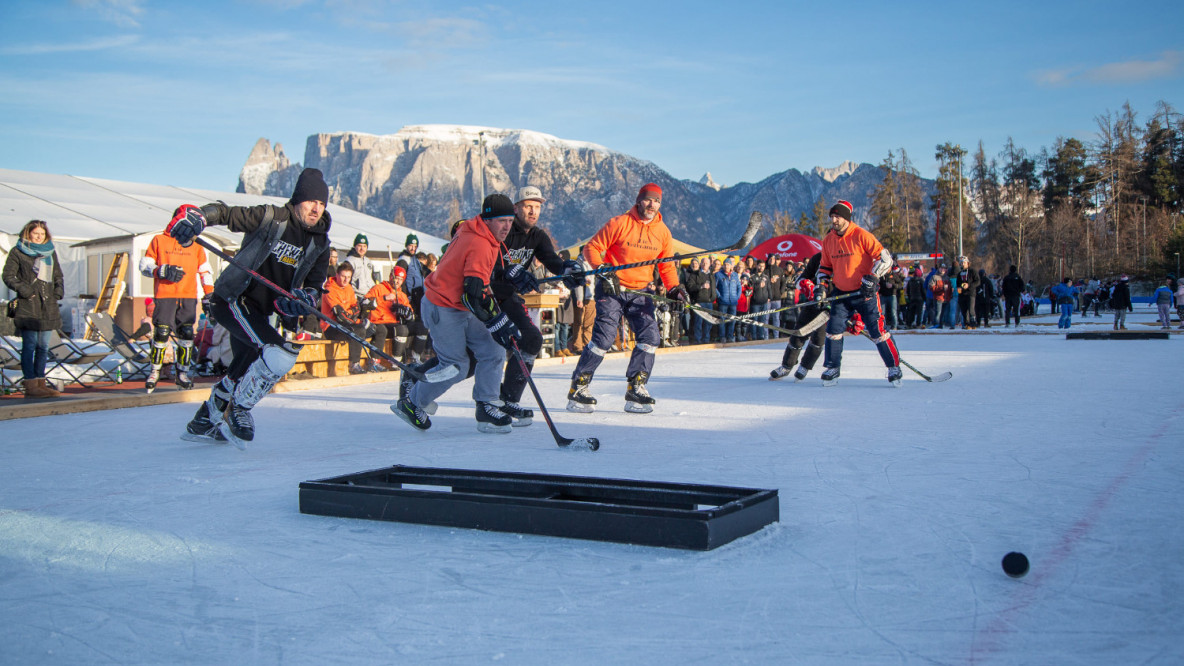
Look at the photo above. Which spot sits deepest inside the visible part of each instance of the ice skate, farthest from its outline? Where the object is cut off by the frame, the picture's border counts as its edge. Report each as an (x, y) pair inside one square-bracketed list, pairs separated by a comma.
[(799, 375), (183, 380), (405, 384), (780, 372), (414, 416), (520, 415), (894, 376), (238, 425), (153, 378), (490, 418), (830, 377), (201, 428), (637, 398), (579, 399)]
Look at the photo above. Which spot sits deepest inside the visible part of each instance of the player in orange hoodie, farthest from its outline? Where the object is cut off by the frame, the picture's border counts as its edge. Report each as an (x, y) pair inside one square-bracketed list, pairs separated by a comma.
[(181, 276), (463, 317), (638, 235), (853, 262)]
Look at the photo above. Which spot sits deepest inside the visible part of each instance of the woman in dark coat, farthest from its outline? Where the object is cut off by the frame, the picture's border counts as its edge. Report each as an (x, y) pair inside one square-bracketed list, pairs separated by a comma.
[(34, 273)]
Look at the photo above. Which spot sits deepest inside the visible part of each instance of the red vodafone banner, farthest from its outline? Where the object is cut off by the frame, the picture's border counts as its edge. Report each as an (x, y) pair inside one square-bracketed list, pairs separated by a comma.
[(794, 247)]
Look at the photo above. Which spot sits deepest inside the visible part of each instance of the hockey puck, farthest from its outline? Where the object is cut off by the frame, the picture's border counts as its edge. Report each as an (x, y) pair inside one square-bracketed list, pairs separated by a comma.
[(1015, 564)]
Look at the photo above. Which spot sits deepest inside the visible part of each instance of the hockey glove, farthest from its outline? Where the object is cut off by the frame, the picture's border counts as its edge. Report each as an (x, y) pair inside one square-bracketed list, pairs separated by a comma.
[(187, 223), (855, 324), (303, 301), (680, 294), (170, 273), (609, 284), (570, 278), (405, 313), (503, 330), (868, 287), (523, 280)]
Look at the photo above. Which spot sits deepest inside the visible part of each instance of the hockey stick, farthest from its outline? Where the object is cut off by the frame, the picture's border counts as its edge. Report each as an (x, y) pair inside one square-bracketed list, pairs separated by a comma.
[(714, 316), (590, 443), (441, 373), (936, 378), (754, 225)]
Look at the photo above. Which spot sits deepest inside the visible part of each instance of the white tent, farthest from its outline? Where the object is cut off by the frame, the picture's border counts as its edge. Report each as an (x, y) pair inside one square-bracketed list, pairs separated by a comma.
[(94, 219)]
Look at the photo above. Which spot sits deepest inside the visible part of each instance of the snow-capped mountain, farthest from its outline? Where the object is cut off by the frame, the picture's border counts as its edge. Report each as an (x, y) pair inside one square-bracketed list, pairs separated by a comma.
[(430, 176)]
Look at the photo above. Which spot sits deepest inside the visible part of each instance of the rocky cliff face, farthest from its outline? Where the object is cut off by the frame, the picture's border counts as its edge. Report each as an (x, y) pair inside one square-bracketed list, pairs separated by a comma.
[(427, 176)]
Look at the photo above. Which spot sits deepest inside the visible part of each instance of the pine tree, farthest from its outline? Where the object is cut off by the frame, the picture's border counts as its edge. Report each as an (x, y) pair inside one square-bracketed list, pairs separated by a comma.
[(885, 208), (821, 217)]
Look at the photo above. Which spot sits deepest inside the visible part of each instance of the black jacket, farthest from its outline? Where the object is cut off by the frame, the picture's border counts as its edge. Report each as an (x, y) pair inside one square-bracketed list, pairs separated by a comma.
[(969, 277), (276, 245), (700, 286), (522, 246), (1013, 286), (1120, 297), (37, 300)]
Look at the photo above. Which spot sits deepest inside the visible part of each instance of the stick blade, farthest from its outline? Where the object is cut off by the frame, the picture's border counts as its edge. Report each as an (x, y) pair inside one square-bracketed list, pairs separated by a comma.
[(581, 444), (942, 377), (711, 319), (754, 226)]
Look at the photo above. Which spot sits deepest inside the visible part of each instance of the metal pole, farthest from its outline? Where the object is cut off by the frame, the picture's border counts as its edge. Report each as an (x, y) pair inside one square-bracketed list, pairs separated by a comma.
[(481, 143), (960, 253)]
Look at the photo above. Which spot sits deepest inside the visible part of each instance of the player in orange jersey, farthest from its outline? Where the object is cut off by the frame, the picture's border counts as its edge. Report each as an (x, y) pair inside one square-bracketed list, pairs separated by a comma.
[(181, 276), (638, 235), (853, 262)]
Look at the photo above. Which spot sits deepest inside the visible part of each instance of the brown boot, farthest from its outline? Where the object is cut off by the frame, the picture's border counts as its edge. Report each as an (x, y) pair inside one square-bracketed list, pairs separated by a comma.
[(37, 388)]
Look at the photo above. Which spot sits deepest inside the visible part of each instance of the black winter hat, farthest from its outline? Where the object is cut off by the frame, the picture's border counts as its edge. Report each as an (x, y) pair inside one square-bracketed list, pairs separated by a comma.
[(310, 186), (843, 209), (496, 205)]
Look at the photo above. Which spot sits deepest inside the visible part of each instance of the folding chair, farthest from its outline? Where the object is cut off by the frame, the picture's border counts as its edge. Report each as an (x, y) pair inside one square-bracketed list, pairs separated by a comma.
[(66, 354), (9, 360), (134, 358)]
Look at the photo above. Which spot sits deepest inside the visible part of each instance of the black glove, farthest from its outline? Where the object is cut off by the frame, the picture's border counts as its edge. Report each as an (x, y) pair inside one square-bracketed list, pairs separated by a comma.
[(609, 284), (188, 221), (680, 294), (503, 330), (170, 273), (302, 302), (406, 314), (869, 286), (570, 279), (822, 288), (522, 279)]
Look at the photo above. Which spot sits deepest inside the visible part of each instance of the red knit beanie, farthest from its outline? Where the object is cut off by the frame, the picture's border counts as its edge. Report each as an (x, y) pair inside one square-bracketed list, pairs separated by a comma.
[(650, 189)]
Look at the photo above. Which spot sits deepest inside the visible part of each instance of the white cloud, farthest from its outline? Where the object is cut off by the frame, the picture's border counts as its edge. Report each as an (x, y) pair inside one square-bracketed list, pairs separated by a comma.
[(93, 45), (1167, 65), (124, 13)]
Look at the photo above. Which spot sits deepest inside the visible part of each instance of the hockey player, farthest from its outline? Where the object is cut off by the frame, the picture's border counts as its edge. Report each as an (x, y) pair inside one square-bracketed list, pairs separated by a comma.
[(525, 242), (339, 302), (463, 317), (638, 235), (813, 341), (392, 309), (181, 276), (288, 245), (852, 263)]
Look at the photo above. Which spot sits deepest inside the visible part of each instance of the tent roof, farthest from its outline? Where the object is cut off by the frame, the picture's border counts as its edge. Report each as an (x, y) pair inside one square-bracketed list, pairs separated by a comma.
[(84, 209)]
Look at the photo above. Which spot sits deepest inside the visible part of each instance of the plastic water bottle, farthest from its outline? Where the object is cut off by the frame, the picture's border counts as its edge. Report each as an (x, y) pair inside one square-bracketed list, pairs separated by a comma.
[(119, 375)]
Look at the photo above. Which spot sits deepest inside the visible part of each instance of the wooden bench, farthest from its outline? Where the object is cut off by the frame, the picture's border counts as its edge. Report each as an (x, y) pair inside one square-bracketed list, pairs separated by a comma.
[(327, 358)]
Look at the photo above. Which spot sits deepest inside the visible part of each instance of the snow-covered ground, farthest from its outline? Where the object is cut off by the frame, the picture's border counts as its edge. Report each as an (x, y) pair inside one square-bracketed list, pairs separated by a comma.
[(120, 543)]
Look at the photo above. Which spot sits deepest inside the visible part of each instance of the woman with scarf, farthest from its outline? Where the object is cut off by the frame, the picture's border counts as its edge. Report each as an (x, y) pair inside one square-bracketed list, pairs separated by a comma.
[(34, 273)]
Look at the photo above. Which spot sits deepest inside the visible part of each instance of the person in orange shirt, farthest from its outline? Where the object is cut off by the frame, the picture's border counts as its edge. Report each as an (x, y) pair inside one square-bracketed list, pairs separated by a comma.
[(340, 303), (853, 262), (180, 277), (463, 316), (393, 311), (638, 235)]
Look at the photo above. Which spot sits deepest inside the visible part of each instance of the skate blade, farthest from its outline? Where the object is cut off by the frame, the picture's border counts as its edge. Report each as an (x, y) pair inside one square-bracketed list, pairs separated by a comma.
[(493, 429), (202, 439), (224, 430), (637, 408), (579, 407), (830, 382), (522, 423)]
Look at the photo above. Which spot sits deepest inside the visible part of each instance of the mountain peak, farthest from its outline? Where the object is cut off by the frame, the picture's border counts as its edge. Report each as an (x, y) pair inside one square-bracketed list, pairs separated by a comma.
[(709, 182), (831, 175)]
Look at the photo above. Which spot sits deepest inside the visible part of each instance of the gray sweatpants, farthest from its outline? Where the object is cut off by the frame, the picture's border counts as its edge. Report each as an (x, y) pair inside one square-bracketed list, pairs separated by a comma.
[(453, 331)]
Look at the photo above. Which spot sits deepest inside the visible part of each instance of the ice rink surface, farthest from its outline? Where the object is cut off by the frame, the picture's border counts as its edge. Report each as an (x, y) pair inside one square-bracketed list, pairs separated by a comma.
[(120, 543)]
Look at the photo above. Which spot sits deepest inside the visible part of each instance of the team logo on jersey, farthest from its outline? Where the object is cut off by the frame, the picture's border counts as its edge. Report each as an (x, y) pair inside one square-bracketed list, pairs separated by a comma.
[(287, 254)]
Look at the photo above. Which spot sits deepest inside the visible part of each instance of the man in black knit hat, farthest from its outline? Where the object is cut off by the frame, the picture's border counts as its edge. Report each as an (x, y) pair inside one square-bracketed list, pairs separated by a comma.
[(288, 245)]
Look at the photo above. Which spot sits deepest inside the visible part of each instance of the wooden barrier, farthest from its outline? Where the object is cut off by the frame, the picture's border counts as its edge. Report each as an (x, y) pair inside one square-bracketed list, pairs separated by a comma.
[(327, 358)]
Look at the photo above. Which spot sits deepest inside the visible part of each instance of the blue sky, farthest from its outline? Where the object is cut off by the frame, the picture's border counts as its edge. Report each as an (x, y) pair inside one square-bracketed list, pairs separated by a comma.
[(178, 93)]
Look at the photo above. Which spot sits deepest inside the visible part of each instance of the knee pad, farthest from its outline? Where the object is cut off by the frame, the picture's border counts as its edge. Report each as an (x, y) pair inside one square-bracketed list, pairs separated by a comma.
[(185, 332), (161, 334)]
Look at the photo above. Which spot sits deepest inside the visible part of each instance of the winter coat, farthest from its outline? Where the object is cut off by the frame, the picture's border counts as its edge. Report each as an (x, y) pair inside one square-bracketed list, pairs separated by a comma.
[(890, 284), (915, 290), (1162, 296), (364, 270), (969, 277), (986, 288), (760, 289), (727, 287), (1120, 297), (701, 286), (1065, 294), (937, 286), (1013, 285), (37, 300)]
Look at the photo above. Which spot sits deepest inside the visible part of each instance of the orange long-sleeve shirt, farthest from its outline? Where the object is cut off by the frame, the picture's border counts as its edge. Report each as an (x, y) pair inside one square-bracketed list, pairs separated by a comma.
[(198, 280), (849, 257), (627, 239)]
